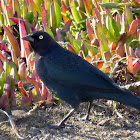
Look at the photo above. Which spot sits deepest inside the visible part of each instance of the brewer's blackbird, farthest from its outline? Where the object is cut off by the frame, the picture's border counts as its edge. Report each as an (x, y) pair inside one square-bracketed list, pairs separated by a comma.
[(72, 78)]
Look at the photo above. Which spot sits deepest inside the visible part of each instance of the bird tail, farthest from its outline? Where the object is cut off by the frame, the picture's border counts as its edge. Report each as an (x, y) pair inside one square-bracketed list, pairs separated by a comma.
[(125, 97), (130, 99)]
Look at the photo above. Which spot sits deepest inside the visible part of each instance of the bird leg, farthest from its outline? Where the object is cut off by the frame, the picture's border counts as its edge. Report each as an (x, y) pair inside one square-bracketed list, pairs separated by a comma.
[(90, 106), (61, 123), (86, 117)]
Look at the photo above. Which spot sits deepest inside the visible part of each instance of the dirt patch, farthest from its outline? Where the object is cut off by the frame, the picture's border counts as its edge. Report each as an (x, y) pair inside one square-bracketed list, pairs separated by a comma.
[(102, 125)]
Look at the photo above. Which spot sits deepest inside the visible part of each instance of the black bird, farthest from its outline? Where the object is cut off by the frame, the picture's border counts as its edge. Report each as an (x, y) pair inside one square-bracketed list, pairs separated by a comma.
[(72, 78)]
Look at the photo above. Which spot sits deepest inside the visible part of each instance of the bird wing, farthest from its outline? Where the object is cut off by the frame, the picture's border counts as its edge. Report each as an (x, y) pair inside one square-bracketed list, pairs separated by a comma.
[(70, 70)]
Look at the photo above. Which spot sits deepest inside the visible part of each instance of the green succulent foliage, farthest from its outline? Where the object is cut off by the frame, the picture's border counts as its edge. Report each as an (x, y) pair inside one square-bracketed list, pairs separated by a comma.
[(78, 23)]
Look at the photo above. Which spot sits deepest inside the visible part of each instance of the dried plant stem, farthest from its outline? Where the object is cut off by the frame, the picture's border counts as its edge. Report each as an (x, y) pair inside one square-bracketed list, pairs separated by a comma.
[(12, 123), (130, 86)]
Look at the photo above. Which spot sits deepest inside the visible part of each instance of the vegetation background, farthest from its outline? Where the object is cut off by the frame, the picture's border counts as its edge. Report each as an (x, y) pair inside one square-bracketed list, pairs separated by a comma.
[(106, 33)]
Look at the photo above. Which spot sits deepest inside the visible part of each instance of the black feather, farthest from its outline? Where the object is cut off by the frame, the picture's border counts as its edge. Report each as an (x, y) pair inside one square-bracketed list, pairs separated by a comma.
[(71, 78)]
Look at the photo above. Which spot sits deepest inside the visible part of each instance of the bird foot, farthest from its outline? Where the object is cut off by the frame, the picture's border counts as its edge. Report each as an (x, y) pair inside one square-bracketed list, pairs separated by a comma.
[(85, 118), (57, 126)]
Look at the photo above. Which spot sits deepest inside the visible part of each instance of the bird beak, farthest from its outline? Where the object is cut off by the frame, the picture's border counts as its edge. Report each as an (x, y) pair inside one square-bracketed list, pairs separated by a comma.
[(28, 38)]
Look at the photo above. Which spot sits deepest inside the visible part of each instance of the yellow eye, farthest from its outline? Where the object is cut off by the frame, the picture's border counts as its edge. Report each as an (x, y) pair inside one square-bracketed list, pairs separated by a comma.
[(41, 37)]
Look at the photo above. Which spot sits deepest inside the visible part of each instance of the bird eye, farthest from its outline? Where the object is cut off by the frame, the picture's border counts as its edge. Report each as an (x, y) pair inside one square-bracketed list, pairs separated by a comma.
[(41, 37)]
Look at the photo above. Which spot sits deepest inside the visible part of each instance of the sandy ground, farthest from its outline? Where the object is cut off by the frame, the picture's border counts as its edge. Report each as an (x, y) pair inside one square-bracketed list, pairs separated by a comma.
[(103, 125)]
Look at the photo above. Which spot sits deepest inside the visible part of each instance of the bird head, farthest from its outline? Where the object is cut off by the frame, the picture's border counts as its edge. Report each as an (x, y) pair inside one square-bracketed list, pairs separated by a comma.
[(40, 41)]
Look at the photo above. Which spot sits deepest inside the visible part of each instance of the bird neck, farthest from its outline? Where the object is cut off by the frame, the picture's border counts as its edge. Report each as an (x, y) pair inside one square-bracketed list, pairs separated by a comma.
[(47, 48)]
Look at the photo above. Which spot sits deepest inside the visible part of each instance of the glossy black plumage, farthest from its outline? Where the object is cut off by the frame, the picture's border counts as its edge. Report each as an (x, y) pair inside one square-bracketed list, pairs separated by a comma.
[(71, 78)]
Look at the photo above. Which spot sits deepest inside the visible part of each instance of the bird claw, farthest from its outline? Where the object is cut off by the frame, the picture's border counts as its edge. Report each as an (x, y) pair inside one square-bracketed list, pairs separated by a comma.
[(86, 117), (57, 126)]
